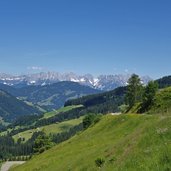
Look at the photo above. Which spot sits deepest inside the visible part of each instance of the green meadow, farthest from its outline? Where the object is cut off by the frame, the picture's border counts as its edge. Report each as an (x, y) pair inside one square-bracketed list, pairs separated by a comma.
[(126, 142)]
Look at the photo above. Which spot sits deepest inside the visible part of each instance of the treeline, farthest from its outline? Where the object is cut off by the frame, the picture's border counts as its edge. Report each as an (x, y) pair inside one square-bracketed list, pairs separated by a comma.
[(11, 150), (2, 128), (60, 137), (62, 116), (26, 120), (101, 103), (164, 82)]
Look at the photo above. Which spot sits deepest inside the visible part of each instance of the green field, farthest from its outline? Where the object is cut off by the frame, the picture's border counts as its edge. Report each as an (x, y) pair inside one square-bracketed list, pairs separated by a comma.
[(64, 109), (126, 143), (53, 128), (28, 134)]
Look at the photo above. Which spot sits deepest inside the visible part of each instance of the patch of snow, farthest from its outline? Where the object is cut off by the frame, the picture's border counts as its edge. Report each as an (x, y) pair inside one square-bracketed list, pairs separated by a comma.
[(9, 79), (96, 81), (75, 80), (43, 84), (32, 82), (82, 80), (90, 82), (17, 78)]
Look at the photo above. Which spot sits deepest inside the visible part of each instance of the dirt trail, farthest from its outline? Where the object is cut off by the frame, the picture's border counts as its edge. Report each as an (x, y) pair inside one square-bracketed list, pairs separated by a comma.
[(6, 166)]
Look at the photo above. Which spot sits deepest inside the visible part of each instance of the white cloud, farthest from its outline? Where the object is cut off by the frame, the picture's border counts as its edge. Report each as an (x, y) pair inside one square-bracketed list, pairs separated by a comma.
[(35, 68)]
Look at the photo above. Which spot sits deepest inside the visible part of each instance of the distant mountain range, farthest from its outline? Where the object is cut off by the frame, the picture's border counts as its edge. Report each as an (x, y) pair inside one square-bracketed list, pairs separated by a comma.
[(102, 82)]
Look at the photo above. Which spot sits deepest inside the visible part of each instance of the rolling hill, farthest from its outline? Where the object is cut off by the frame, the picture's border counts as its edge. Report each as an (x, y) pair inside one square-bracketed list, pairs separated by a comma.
[(51, 96), (11, 108), (103, 102)]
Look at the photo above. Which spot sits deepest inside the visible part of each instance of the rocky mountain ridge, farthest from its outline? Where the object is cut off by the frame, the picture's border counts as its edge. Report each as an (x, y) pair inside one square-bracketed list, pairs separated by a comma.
[(102, 82)]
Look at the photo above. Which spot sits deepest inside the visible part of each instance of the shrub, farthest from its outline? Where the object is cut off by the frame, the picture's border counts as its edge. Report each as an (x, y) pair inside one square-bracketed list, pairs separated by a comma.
[(99, 162), (90, 120)]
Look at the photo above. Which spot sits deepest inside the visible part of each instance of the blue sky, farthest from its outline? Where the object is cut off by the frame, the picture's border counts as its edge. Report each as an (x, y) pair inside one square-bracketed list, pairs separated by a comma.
[(86, 36)]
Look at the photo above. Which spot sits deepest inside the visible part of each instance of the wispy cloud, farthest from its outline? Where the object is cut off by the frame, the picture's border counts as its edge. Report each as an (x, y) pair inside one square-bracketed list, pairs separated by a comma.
[(35, 68)]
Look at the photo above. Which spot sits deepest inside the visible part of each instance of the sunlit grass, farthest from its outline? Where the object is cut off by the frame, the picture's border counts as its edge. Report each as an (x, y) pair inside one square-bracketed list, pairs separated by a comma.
[(53, 128), (125, 142)]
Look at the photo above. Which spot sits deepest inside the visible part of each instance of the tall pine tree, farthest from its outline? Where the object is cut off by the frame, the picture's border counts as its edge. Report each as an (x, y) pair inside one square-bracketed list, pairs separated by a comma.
[(134, 90)]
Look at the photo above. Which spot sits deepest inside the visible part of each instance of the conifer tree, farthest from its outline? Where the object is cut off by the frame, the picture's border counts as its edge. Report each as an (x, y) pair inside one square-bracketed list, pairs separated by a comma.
[(134, 90)]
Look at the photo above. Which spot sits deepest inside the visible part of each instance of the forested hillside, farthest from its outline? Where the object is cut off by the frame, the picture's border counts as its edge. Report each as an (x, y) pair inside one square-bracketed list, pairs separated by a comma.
[(101, 103), (12, 108), (164, 82), (51, 96)]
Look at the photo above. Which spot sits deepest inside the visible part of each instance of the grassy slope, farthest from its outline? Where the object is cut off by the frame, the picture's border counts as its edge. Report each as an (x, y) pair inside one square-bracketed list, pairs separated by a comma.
[(126, 142), (53, 128), (0, 164), (64, 109)]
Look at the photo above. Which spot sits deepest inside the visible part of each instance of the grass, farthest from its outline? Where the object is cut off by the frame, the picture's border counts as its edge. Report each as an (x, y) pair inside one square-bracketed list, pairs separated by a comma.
[(64, 109), (28, 134), (13, 166), (125, 143), (53, 128), (0, 165)]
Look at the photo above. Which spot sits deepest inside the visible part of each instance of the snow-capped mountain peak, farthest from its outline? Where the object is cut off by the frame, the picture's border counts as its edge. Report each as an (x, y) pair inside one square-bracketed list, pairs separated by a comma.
[(102, 82)]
